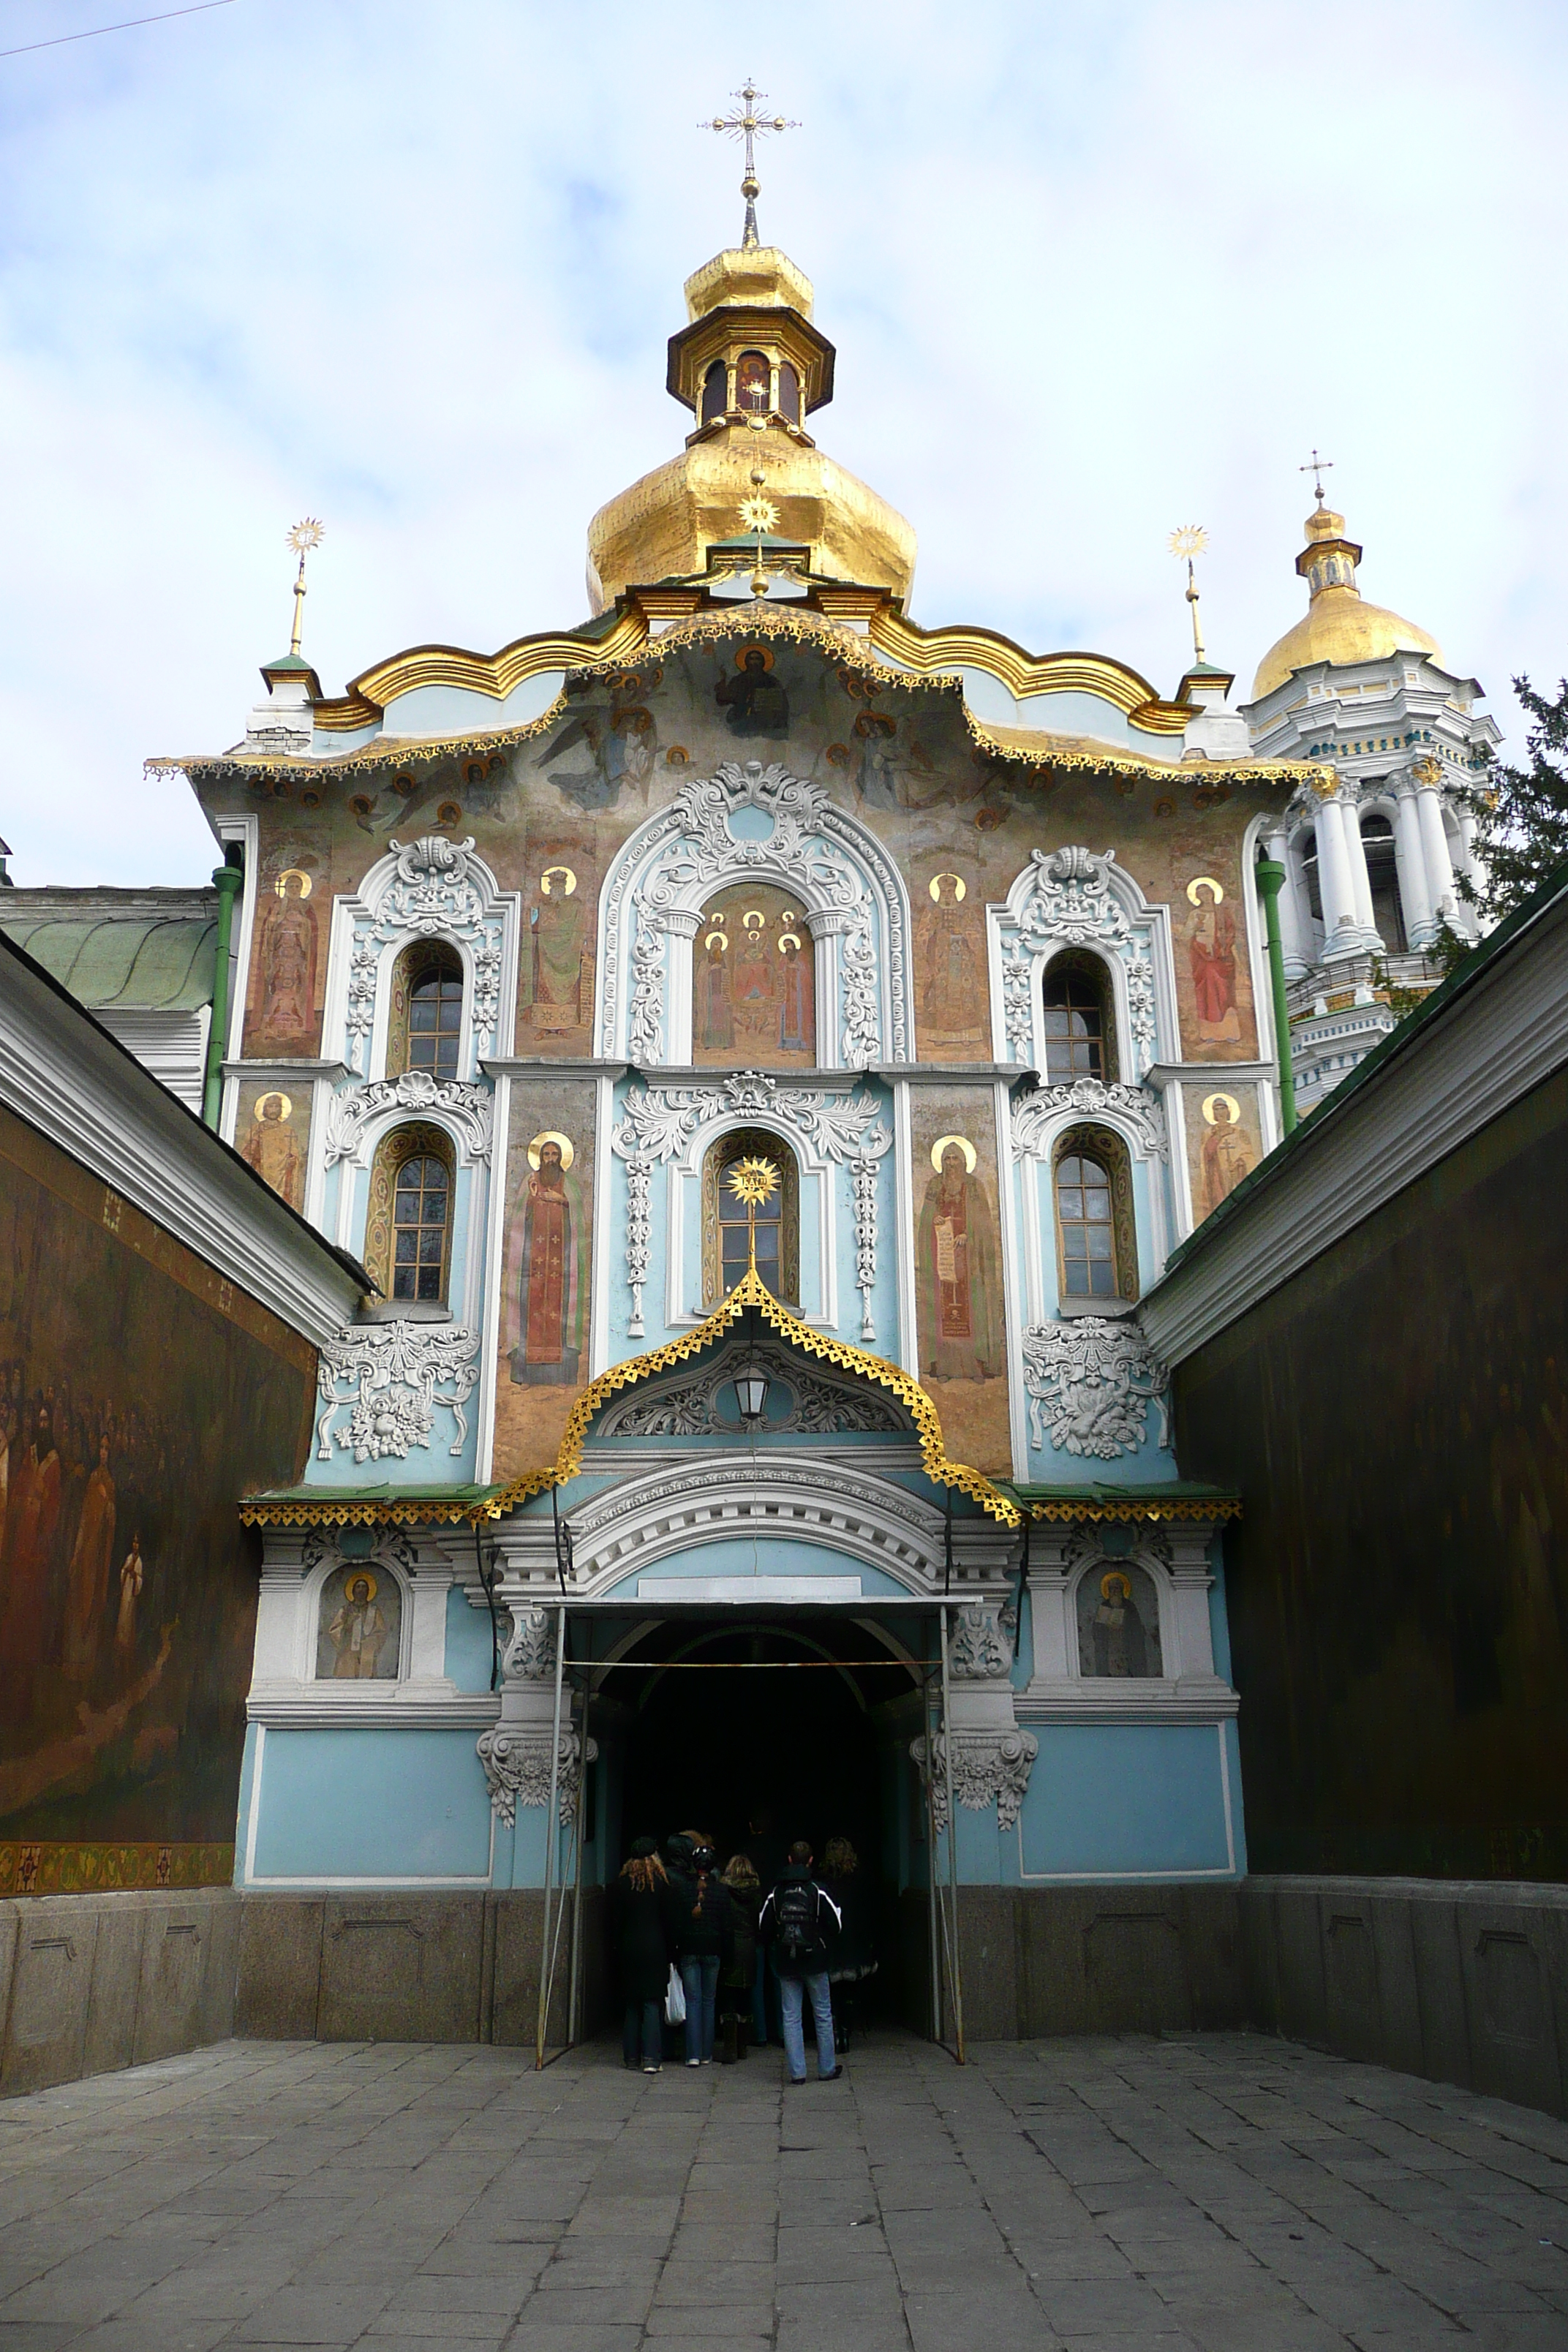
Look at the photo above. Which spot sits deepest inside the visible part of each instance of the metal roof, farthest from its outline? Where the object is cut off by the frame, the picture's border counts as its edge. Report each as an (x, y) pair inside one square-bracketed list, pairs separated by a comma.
[(120, 950)]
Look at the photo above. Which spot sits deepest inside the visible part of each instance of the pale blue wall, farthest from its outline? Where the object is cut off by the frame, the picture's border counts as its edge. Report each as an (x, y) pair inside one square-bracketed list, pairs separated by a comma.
[(347, 1804)]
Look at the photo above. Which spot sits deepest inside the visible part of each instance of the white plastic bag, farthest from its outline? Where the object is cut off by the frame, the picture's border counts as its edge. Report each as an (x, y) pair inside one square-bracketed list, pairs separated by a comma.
[(674, 1999)]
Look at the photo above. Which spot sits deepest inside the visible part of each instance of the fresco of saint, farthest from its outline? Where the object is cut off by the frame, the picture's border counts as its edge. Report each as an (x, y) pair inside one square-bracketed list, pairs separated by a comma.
[(554, 959), (959, 1272), (754, 703), (286, 963), (87, 1591), (1226, 1157), (358, 1630), (551, 1305), (32, 1518), (272, 1148), (1211, 958)]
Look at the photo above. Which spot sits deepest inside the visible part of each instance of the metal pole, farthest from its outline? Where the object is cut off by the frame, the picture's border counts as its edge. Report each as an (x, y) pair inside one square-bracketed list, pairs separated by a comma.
[(550, 1840), (955, 1972), (226, 881), (931, 1864), (577, 1886), (1271, 879)]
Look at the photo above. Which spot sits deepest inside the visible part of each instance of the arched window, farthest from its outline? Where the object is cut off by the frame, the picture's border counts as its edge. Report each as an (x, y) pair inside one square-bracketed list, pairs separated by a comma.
[(753, 384), (409, 1231), (789, 392), (427, 1022), (1307, 851), (1080, 1033), (715, 391), (724, 1239), (1383, 875), (1096, 1245)]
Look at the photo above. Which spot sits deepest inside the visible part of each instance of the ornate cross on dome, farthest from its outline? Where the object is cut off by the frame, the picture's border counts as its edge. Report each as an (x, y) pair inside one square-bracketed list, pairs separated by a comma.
[(746, 124), (1317, 467)]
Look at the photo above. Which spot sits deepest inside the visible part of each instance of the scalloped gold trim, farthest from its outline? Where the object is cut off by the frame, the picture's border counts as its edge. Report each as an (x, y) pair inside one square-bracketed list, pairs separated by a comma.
[(752, 1291), (256, 1511), (1226, 1506)]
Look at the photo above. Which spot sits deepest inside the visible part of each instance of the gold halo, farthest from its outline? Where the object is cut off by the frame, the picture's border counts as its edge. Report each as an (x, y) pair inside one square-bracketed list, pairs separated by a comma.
[(1204, 882), (960, 888), (723, 942), (790, 939), (551, 1135), (964, 1145), (293, 873), (754, 919), (571, 879), (273, 1094), (353, 1576), (1116, 1576), (766, 652), (1231, 1103)]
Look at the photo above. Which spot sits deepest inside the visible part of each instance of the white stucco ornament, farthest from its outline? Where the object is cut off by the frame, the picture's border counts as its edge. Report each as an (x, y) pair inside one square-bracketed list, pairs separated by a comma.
[(386, 1375), (1090, 1381)]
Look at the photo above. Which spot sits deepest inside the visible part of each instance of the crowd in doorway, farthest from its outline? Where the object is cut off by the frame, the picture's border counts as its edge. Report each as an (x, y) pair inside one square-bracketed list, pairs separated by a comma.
[(714, 1959)]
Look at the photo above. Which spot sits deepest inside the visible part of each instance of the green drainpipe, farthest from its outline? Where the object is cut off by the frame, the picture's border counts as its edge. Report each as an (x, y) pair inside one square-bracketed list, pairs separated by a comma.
[(228, 879), (1271, 881)]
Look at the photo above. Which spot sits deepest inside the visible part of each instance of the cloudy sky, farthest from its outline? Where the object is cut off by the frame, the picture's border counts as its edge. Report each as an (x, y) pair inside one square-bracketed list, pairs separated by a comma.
[(1092, 271)]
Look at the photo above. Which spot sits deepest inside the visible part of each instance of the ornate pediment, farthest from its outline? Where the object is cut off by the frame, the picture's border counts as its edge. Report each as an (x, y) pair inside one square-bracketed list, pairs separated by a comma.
[(801, 1399)]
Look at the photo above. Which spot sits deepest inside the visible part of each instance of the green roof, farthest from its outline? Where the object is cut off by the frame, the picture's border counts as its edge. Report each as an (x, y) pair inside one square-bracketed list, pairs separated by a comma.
[(1175, 1498), (120, 950)]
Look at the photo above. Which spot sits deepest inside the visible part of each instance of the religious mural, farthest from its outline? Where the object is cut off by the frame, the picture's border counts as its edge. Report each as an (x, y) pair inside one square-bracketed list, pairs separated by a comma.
[(753, 993), (286, 965), (754, 699), (958, 1272), (546, 1268), (359, 1625), (140, 1394), (1224, 1143), (1118, 1622), (555, 986), (608, 746), (1211, 945), (272, 1132), (952, 1008)]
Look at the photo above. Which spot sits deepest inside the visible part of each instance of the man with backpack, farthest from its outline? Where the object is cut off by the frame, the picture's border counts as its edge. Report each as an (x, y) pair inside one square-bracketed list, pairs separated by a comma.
[(795, 1925)]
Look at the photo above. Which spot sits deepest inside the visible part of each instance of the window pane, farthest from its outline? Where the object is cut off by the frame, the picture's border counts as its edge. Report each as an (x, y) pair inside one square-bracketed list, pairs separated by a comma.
[(422, 1013), (1102, 1283)]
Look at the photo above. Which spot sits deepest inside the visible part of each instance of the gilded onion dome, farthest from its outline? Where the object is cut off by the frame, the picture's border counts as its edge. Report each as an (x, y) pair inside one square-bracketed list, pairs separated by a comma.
[(1339, 624), (751, 367)]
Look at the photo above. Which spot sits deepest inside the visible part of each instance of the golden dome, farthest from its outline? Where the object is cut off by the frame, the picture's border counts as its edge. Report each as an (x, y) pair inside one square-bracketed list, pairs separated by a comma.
[(750, 365), (1339, 624)]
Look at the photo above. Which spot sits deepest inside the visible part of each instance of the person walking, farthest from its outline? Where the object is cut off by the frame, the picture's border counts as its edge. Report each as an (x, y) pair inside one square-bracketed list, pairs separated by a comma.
[(853, 1961), (643, 1928), (707, 1937), (735, 1984), (796, 1923)]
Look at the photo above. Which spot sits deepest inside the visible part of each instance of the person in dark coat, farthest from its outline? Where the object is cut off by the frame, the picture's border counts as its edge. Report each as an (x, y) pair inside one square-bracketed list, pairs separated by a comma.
[(853, 1960), (767, 1854), (706, 1934), (735, 1983), (798, 1923), (643, 1927)]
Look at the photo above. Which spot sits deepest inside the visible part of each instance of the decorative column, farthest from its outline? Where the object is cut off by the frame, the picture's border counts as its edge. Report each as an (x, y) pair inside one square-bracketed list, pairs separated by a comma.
[(1434, 839), (1355, 856), (1335, 884), (1271, 879), (681, 926), (1420, 925), (1290, 947), (827, 925)]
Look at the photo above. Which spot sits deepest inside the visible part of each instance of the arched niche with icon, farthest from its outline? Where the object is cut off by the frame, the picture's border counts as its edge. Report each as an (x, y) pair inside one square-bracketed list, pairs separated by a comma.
[(359, 1623), (753, 991)]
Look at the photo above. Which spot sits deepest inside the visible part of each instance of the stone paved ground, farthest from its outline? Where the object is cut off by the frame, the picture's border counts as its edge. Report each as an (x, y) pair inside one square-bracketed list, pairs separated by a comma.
[(1217, 2190)]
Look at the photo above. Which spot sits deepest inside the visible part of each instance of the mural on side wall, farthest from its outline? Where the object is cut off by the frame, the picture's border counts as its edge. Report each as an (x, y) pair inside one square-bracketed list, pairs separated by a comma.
[(1118, 1622), (958, 1272), (555, 980), (272, 1132), (754, 992), (545, 1269), (359, 1625), (952, 1003), (139, 1396), (285, 962), (1224, 1143)]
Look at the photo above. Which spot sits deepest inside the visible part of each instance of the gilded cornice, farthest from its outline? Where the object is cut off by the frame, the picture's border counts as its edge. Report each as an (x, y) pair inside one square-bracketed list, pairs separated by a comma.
[(960, 647), (493, 673), (751, 1291)]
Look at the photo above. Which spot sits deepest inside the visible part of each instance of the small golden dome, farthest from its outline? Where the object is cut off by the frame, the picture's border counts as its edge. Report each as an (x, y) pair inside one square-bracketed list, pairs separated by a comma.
[(1339, 624)]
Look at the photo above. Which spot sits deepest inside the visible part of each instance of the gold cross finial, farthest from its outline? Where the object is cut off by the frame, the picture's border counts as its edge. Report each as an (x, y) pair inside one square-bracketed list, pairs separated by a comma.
[(743, 122), (1317, 467), (1185, 543), (754, 1182), (301, 538)]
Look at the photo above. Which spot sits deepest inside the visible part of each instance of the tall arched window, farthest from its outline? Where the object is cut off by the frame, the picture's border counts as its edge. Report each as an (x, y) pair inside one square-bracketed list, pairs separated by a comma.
[(408, 1229), (1096, 1255), (715, 391), (1080, 1032), (427, 1022), (789, 392), (724, 1237), (1382, 875)]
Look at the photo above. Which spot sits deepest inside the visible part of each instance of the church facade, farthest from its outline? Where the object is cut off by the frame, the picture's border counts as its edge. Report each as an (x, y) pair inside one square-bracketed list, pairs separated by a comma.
[(632, 1464)]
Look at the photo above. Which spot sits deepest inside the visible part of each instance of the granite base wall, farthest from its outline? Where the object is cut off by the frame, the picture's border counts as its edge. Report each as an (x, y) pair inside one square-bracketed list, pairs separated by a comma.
[(90, 1984)]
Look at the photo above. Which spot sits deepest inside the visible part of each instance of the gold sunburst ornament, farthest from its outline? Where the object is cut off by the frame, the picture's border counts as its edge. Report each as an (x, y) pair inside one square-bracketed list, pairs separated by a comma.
[(305, 535), (754, 1181), (759, 514), (1189, 540)]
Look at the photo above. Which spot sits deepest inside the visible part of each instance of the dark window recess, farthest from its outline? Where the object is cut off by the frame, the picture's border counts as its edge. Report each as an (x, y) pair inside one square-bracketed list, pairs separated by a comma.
[(715, 391), (435, 1023), (419, 1206), (1088, 1244), (789, 392), (1075, 1025), (1309, 856), (1383, 874)]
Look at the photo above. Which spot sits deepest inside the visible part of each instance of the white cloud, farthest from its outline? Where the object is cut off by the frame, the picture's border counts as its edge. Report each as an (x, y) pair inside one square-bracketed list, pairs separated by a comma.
[(1091, 272)]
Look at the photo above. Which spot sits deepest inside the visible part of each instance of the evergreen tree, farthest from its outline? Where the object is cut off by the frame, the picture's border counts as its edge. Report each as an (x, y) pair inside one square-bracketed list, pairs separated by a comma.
[(1522, 831)]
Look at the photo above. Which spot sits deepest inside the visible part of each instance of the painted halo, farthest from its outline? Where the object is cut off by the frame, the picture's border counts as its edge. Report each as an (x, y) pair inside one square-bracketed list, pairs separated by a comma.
[(742, 653), (570, 885), (273, 1094), (1204, 882), (754, 919), (551, 1135), (970, 1154), (1116, 1576), (292, 874), (360, 1576), (1230, 1103), (960, 888)]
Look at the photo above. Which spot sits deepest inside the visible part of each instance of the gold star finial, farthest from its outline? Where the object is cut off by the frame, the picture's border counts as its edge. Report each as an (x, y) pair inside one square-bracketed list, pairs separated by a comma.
[(1186, 542), (304, 536), (747, 123), (754, 1181)]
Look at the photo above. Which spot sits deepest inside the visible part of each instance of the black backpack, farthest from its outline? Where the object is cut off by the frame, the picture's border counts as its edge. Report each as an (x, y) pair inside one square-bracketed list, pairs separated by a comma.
[(795, 1909)]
